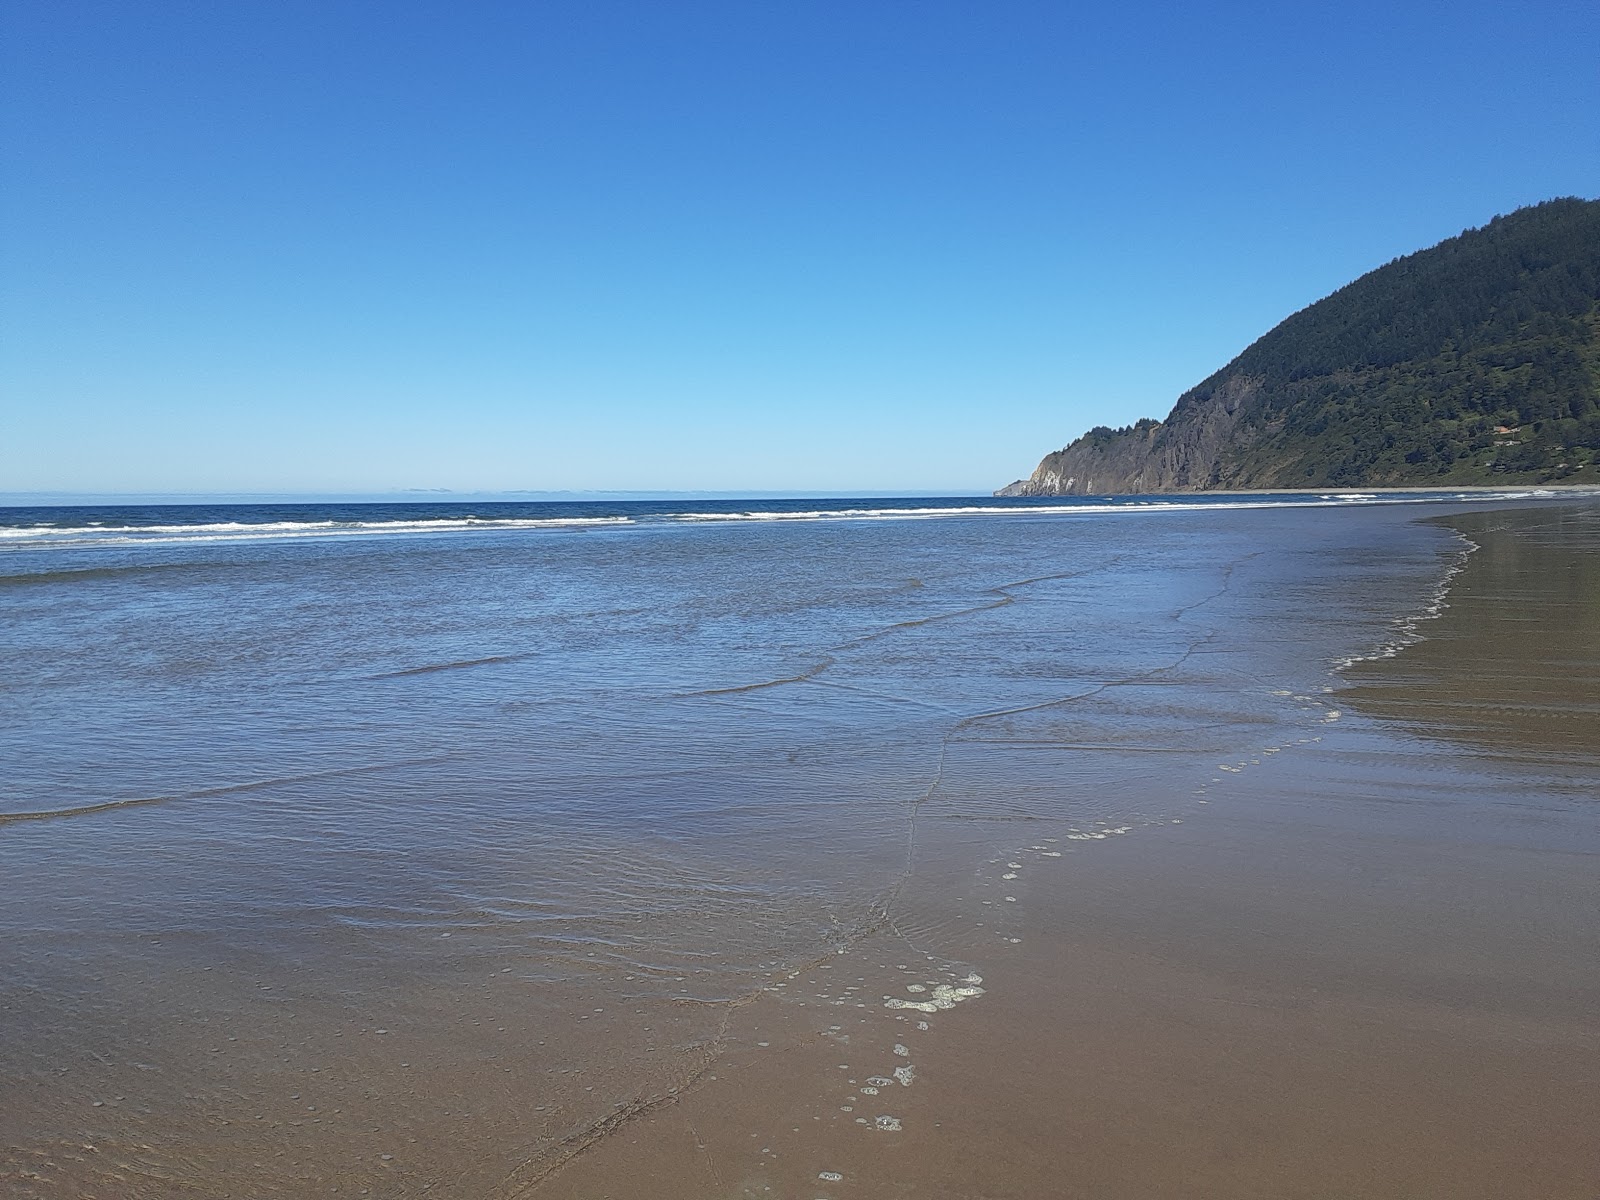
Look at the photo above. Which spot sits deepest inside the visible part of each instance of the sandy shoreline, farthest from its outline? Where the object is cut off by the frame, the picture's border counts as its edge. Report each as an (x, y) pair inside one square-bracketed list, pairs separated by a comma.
[(1371, 972), (1074, 871)]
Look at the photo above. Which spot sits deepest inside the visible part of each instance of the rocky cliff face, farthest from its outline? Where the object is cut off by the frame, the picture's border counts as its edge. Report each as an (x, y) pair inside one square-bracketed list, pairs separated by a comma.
[(1190, 451)]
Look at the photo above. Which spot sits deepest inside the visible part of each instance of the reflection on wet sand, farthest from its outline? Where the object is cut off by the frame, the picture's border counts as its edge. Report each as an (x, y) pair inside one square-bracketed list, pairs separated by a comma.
[(1349, 970), (1519, 646), (773, 875)]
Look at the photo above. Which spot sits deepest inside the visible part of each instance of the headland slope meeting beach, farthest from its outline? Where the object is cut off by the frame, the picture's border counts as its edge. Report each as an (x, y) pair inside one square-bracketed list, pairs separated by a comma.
[(1476, 361), (1234, 846)]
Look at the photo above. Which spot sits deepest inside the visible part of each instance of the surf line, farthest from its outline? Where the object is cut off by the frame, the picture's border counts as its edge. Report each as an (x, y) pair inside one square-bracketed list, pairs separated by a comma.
[(805, 676), (1002, 592), (1406, 630), (544, 1163), (537, 1169), (547, 1161), (884, 906), (207, 793), (449, 666)]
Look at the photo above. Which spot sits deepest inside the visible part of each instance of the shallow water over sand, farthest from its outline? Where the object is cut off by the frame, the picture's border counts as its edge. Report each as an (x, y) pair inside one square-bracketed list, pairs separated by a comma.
[(422, 867)]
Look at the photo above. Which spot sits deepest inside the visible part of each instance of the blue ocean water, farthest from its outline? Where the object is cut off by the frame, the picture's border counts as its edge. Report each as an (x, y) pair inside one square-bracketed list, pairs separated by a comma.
[(105, 526), (302, 770)]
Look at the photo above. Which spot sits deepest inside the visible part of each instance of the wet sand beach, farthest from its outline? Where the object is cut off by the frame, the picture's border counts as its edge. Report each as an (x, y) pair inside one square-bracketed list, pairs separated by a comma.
[(1035, 856), (1373, 969)]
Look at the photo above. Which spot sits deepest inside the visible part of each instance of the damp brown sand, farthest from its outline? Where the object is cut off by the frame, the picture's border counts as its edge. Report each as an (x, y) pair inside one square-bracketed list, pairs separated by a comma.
[(1355, 966), (1366, 968)]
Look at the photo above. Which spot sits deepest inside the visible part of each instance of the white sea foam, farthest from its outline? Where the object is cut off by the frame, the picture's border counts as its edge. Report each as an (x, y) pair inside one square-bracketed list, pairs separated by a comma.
[(1323, 500), (1407, 629), (96, 535), (1106, 831), (945, 996)]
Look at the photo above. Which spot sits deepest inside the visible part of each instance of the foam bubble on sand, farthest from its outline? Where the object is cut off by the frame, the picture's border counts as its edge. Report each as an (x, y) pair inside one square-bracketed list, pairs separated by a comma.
[(915, 987), (901, 1051), (1109, 830), (880, 1081), (888, 1124), (869, 1091), (1009, 875), (830, 1176), (905, 1074), (945, 995)]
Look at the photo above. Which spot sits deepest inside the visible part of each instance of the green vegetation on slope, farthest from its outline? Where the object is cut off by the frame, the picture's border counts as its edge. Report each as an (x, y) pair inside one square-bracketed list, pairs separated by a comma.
[(1475, 361), (1406, 374)]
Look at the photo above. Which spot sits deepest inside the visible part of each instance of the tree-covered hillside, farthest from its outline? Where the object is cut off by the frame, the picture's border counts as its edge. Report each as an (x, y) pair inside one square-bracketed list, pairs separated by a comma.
[(1475, 361)]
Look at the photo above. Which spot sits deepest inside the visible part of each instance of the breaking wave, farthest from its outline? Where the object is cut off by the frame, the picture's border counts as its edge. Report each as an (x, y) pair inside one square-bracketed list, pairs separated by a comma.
[(82, 529)]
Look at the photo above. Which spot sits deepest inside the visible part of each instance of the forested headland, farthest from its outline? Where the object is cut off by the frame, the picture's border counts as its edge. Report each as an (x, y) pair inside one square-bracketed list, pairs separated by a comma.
[(1476, 361)]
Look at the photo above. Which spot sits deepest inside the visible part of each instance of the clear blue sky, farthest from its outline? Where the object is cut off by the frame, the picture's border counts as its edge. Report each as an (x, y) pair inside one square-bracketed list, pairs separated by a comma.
[(848, 247)]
